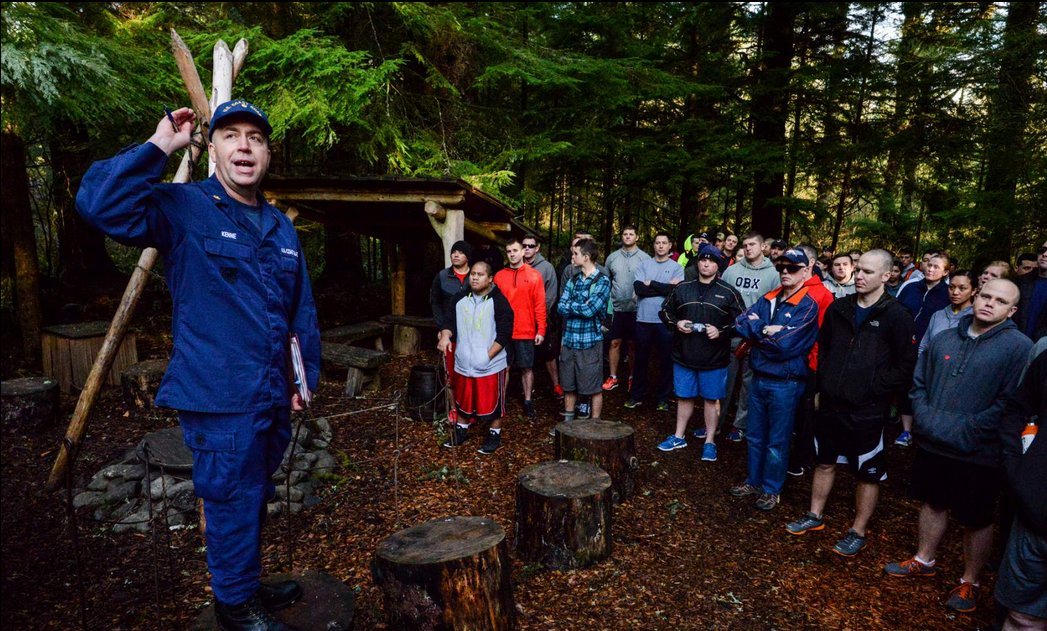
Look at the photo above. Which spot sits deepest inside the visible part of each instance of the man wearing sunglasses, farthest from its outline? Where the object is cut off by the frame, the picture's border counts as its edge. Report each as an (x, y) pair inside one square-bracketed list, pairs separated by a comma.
[(549, 350), (782, 326)]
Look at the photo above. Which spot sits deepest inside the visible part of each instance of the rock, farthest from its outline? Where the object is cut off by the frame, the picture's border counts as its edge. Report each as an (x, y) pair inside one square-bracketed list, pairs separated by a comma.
[(175, 517), (322, 427), (302, 434), (125, 471), (159, 484), (306, 487), (320, 443), (92, 499), (182, 495), (310, 501), (273, 509), (98, 483), (280, 475), (125, 509), (297, 476), (295, 493), (138, 520), (325, 463), (122, 490), (296, 507)]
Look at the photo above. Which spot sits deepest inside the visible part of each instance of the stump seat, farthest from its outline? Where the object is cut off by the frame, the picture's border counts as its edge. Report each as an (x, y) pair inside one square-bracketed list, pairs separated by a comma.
[(141, 382), (31, 403), (563, 514), (327, 604), (407, 332), (450, 573), (362, 365), (609, 445), (69, 351)]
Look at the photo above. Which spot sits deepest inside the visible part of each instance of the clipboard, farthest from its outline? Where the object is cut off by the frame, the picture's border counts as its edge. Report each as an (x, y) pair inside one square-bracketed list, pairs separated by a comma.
[(301, 383)]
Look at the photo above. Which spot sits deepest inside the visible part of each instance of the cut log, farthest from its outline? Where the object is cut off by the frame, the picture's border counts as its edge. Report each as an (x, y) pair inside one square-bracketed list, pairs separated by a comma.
[(609, 445), (451, 573), (327, 604), (69, 352), (563, 514), (32, 403), (140, 383)]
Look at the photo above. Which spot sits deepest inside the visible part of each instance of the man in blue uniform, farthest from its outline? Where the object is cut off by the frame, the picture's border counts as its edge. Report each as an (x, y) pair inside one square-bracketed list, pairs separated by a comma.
[(240, 289)]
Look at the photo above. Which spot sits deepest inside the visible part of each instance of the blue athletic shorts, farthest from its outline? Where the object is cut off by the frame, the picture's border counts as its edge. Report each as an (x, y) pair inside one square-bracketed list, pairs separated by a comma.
[(707, 384)]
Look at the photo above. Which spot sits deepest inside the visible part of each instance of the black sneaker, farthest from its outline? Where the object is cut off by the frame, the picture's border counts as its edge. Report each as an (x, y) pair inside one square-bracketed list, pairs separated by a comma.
[(457, 437), (248, 616), (279, 596), (491, 445), (529, 409), (582, 411), (795, 470)]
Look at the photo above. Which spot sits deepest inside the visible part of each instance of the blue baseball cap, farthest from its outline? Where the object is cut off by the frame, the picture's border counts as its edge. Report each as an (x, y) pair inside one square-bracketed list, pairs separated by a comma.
[(239, 109), (709, 252), (794, 255)]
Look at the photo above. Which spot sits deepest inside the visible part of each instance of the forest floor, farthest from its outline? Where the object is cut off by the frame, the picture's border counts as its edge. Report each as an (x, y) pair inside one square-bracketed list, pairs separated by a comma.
[(686, 555)]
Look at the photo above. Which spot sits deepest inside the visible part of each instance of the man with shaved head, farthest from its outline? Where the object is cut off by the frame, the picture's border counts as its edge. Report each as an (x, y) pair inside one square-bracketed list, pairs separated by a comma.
[(960, 387), (865, 353)]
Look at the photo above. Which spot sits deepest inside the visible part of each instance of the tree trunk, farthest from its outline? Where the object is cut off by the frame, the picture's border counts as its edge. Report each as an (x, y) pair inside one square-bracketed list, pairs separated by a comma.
[(1007, 118), (607, 444), (770, 114), (18, 229), (343, 263)]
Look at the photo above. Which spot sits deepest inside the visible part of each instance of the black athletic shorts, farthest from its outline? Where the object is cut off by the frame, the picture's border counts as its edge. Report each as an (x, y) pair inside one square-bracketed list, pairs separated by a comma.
[(550, 346), (623, 326), (966, 490), (521, 354), (854, 438)]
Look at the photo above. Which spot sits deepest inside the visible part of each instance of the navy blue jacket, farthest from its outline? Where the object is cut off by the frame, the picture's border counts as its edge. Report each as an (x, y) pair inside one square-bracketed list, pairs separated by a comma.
[(784, 354), (237, 295), (922, 304)]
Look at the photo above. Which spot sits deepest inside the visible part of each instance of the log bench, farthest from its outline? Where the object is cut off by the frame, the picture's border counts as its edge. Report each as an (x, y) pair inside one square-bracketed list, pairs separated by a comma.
[(408, 332), (369, 331), (362, 364), (69, 351)]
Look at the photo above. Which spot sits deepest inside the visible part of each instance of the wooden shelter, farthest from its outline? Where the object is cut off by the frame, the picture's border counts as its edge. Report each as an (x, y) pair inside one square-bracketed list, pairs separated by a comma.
[(401, 211)]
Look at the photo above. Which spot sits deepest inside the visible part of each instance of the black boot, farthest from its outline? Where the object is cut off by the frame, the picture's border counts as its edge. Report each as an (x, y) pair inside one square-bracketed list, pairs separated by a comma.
[(278, 596), (249, 616)]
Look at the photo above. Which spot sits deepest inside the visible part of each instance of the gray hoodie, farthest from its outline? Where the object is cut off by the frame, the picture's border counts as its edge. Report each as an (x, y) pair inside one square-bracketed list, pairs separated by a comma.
[(837, 289), (621, 267), (942, 320), (548, 272), (960, 387), (752, 282)]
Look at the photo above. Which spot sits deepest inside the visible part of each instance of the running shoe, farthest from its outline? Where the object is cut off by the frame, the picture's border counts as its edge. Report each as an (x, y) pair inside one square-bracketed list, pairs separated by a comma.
[(742, 490), (457, 437), (610, 384), (767, 501), (631, 404), (671, 443), (808, 523), (904, 439), (528, 408), (582, 411), (709, 452), (963, 598), (699, 433), (851, 544), (910, 567), (492, 443), (662, 407), (736, 435)]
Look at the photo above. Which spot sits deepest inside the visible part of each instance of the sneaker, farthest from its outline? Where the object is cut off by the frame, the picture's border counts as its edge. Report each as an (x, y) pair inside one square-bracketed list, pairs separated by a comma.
[(457, 437), (491, 444), (709, 452), (808, 523), (850, 545), (963, 598), (699, 433), (904, 439), (671, 443), (582, 411), (558, 391), (662, 407), (910, 567), (767, 501), (736, 435), (631, 404), (528, 408), (610, 384), (743, 489), (795, 471)]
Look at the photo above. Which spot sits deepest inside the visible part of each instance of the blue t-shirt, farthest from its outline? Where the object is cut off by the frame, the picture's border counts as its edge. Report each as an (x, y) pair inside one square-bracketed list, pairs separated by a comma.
[(861, 314), (665, 272), (1037, 303), (253, 213)]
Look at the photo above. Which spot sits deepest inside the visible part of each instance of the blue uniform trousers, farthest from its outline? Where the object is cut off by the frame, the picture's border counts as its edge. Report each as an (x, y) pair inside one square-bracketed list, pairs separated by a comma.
[(234, 458)]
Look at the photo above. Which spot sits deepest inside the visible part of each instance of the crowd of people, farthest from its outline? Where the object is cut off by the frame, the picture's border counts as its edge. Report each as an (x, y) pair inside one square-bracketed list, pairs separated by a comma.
[(815, 352)]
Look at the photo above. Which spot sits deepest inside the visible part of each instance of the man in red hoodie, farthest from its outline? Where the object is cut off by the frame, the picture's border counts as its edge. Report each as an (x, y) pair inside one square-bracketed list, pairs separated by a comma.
[(802, 453), (524, 287)]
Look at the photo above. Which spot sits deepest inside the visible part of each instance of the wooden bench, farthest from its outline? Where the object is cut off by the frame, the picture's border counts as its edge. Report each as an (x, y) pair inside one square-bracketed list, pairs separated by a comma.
[(363, 364), (407, 332), (359, 332), (69, 352)]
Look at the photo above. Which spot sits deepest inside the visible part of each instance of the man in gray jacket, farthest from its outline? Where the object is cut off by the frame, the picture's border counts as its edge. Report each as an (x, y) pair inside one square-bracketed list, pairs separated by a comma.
[(753, 276), (960, 387), (621, 265), (549, 350)]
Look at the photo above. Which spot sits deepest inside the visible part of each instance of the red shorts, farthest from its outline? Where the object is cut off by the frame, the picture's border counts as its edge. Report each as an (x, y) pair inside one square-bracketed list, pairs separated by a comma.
[(480, 398)]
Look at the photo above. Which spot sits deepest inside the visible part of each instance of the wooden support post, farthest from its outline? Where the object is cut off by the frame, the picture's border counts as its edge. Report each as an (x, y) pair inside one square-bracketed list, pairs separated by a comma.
[(399, 284), (448, 224)]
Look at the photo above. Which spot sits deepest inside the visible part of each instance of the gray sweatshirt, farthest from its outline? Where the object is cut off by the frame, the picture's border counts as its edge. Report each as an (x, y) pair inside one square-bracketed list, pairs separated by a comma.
[(621, 267), (960, 387), (548, 272), (752, 281), (942, 320), (837, 289)]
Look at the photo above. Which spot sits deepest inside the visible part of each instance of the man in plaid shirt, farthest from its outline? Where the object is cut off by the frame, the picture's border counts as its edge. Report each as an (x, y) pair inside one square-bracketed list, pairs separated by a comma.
[(583, 305)]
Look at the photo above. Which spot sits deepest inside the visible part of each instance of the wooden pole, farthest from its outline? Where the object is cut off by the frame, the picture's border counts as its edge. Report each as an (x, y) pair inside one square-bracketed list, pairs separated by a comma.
[(71, 443), (399, 284), (448, 224)]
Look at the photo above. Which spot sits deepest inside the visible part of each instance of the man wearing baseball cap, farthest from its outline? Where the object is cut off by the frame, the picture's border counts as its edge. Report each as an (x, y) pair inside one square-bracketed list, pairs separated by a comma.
[(240, 289)]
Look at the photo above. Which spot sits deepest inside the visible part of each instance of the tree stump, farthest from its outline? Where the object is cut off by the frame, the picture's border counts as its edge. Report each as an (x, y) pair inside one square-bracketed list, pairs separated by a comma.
[(609, 445), (32, 403), (406, 340), (451, 573), (140, 383), (563, 514), (327, 604), (69, 352)]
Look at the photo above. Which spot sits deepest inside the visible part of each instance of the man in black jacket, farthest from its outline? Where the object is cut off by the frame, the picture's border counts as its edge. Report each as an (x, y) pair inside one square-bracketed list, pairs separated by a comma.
[(1022, 583), (703, 312), (865, 352)]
